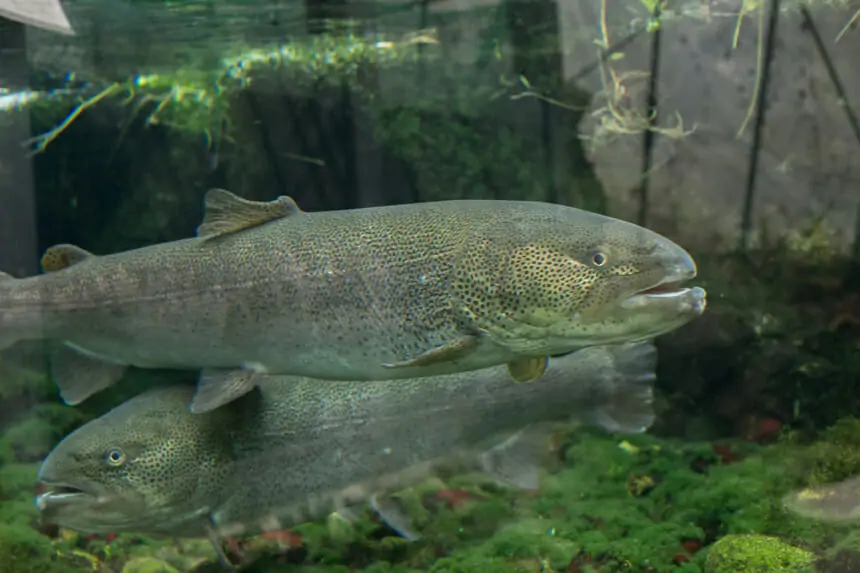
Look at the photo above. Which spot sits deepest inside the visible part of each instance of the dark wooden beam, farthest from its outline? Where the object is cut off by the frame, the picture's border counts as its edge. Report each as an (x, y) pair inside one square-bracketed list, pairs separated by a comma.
[(18, 238)]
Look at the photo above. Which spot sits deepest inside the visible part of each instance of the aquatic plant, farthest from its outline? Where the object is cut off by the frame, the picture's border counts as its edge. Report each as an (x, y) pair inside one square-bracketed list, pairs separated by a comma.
[(836, 455), (199, 99), (754, 553), (585, 516)]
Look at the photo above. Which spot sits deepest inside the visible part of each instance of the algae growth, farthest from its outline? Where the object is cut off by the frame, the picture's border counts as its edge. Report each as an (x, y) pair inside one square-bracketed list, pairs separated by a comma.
[(777, 346), (266, 118), (757, 554), (588, 516), (642, 503)]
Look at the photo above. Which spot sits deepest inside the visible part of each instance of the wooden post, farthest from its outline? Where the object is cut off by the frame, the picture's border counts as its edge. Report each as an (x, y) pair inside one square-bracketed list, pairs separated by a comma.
[(523, 19), (18, 238)]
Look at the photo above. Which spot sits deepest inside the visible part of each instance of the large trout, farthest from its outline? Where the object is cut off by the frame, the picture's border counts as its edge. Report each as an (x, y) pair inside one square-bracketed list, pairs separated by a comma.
[(299, 449), (367, 294)]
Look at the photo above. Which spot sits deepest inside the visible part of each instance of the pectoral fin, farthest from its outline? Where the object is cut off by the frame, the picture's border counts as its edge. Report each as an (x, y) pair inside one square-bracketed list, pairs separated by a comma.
[(446, 353), (528, 369), (218, 386), (79, 374), (394, 517), (62, 256), (226, 213), (215, 540), (516, 461)]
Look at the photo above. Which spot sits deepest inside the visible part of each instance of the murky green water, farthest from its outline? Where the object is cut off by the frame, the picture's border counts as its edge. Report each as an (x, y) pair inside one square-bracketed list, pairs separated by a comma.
[(110, 138)]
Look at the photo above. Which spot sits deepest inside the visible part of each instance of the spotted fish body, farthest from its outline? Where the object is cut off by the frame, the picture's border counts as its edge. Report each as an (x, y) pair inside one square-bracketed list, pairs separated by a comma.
[(298, 449), (367, 294)]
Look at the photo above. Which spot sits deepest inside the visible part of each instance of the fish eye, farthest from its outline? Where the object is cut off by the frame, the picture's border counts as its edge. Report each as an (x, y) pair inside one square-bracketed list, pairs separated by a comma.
[(599, 259), (115, 457)]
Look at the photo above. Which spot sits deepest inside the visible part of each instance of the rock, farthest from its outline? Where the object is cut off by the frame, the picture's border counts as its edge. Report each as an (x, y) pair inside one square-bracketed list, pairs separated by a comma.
[(754, 553), (148, 565)]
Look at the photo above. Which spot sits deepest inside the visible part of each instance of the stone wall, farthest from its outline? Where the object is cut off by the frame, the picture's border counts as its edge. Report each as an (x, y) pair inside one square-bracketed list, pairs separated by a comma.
[(808, 165)]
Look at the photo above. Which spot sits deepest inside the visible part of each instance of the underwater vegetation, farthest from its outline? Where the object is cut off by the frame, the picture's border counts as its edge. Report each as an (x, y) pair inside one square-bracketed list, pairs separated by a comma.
[(607, 504), (755, 553), (757, 396), (702, 491)]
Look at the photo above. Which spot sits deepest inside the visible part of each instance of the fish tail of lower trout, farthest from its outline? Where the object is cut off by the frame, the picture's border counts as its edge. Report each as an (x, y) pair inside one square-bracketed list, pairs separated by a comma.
[(16, 320), (626, 385)]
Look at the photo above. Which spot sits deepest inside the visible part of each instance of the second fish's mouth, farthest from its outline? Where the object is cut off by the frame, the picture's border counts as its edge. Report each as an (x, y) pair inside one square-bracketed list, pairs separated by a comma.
[(58, 494)]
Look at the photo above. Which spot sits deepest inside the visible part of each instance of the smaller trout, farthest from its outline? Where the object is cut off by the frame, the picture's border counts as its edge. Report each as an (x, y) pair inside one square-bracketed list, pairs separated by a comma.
[(297, 450)]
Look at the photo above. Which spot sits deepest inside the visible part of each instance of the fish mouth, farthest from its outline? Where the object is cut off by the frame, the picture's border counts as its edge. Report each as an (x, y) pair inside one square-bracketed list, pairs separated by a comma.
[(667, 292), (57, 495)]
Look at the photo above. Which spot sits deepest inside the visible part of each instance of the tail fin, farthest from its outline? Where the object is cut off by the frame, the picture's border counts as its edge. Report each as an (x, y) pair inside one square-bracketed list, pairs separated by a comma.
[(626, 391), (8, 335)]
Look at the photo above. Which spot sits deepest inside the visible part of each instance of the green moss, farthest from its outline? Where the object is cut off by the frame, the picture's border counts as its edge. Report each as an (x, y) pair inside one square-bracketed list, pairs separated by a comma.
[(35, 385), (44, 425), (182, 554), (17, 481), (32, 438), (23, 550), (834, 457), (532, 538), (197, 97), (278, 567), (473, 563), (585, 510), (7, 453), (849, 542), (739, 496), (448, 132), (844, 432), (754, 553), (465, 150), (385, 567), (20, 513), (832, 462)]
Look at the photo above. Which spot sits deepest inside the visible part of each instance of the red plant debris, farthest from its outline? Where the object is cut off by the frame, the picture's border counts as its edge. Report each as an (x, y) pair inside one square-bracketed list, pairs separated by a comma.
[(285, 539), (763, 430), (691, 546), (454, 497), (725, 453)]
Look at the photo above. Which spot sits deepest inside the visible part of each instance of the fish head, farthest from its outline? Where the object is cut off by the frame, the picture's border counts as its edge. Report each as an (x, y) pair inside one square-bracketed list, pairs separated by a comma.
[(148, 465), (573, 280)]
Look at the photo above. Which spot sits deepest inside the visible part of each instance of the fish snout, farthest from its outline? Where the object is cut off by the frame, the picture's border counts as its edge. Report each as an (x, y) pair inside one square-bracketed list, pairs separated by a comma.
[(677, 262)]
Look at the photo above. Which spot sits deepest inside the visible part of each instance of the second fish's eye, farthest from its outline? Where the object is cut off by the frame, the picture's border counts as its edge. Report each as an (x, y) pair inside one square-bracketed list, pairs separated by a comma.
[(599, 259), (115, 457)]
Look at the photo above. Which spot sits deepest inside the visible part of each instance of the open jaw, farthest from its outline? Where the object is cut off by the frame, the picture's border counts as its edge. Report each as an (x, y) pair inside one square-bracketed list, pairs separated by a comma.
[(665, 292), (59, 494)]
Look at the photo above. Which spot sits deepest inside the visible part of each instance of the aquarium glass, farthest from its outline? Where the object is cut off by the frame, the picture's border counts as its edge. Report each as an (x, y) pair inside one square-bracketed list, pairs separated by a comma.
[(440, 286)]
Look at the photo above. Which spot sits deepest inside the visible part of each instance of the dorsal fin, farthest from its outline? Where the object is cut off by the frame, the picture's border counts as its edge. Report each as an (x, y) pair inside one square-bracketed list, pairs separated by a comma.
[(62, 256), (226, 213)]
